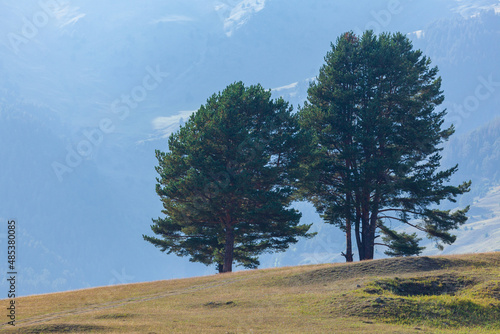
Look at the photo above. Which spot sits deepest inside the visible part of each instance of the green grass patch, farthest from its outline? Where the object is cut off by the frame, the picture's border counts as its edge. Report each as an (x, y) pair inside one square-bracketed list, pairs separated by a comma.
[(442, 301), (437, 311)]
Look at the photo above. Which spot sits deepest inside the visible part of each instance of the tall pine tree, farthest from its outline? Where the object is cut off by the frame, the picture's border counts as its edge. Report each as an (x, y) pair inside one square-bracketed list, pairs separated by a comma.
[(225, 183), (374, 155)]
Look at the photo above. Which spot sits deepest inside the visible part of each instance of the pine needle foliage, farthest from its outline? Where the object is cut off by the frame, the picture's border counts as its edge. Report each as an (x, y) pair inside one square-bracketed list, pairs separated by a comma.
[(226, 181), (376, 134)]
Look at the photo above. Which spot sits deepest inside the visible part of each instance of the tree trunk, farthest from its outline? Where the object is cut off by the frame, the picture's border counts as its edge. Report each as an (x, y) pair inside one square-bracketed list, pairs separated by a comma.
[(369, 245), (220, 267), (357, 232), (364, 251), (348, 252), (348, 223), (228, 250), (370, 251), (369, 227), (348, 197)]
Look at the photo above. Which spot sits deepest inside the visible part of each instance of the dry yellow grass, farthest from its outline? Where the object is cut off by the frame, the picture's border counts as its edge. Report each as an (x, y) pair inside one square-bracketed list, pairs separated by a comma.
[(329, 298)]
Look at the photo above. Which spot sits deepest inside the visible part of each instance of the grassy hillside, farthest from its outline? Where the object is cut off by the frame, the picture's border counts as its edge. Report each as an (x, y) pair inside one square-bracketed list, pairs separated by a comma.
[(447, 294)]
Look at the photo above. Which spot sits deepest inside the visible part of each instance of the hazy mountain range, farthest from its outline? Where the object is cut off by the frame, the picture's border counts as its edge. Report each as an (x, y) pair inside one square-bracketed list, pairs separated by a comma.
[(88, 91)]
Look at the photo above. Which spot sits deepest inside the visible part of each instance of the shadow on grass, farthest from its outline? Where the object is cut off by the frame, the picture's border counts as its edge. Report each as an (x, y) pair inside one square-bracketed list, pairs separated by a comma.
[(62, 328), (115, 316), (424, 286)]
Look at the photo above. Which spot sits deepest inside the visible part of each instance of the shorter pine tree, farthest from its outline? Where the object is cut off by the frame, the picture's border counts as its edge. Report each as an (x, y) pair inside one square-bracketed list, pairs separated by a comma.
[(226, 183)]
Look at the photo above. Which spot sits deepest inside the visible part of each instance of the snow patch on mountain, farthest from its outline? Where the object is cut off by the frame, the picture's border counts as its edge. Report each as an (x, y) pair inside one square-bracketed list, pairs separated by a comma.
[(290, 86), (419, 33), (236, 13), (479, 234), (166, 125), (469, 9)]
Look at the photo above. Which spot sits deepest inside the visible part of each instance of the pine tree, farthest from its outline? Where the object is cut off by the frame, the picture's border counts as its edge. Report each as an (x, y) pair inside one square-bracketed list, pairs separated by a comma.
[(374, 155), (226, 185)]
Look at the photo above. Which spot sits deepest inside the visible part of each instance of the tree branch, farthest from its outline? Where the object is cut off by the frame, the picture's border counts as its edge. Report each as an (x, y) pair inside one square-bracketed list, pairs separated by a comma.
[(379, 244)]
